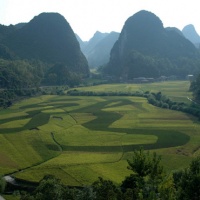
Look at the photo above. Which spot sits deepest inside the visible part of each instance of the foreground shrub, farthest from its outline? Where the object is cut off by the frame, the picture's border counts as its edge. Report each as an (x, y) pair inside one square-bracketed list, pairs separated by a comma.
[(148, 181), (188, 181)]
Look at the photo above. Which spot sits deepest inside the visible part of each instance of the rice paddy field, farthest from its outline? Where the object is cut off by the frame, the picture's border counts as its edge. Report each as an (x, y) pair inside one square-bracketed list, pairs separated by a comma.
[(80, 138)]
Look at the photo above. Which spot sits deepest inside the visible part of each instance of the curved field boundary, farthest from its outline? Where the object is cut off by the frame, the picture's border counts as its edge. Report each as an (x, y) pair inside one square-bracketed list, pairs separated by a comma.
[(102, 122), (37, 119), (166, 139), (104, 119), (59, 146)]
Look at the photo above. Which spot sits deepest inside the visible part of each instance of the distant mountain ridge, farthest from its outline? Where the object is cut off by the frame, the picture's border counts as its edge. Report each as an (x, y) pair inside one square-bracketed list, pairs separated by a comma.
[(97, 49), (5, 31), (190, 33), (100, 54), (20, 25), (97, 37), (146, 48), (174, 29), (81, 42)]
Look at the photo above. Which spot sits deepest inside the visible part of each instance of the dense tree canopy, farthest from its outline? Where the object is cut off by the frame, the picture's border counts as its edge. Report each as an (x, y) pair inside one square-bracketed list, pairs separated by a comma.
[(20, 74), (60, 74), (20, 78)]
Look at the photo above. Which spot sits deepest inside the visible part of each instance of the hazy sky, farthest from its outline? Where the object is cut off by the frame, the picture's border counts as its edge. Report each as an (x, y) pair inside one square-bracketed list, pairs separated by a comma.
[(88, 16)]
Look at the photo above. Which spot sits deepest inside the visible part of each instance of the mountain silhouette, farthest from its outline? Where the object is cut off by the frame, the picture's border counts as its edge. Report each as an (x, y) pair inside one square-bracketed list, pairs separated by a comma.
[(146, 48), (48, 37), (97, 49), (190, 33)]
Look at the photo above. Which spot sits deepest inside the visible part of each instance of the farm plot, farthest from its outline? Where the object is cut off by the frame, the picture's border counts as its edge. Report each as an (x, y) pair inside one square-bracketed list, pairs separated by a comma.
[(80, 138), (176, 90)]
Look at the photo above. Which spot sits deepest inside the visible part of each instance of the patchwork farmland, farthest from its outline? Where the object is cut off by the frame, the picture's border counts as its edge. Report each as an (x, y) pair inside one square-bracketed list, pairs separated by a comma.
[(81, 138)]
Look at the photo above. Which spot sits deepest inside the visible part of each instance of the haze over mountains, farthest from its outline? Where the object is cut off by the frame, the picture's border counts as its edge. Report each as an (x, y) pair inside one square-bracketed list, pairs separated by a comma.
[(190, 33), (97, 49)]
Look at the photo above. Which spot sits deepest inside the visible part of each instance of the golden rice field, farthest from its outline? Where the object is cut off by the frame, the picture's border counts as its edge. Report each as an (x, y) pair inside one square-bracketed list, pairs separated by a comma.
[(80, 138)]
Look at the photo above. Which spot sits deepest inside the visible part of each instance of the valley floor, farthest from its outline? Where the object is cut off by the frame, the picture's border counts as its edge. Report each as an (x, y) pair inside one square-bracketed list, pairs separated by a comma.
[(79, 138)]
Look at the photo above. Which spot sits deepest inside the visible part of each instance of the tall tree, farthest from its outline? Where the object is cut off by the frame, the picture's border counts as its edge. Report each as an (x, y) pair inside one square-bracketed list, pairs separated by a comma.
[(147, 175), (188, 181)]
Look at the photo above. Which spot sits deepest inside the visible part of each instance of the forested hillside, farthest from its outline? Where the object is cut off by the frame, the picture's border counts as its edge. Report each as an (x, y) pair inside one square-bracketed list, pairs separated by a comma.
[(31, 55), (49, 38), (146, 49)]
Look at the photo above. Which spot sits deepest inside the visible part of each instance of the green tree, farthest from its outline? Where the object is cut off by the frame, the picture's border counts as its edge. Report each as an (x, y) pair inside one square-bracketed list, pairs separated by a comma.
[(132, 186), (147, 175), (188, 181), (167, 188), (144, 164), (106, 190), (50, 188)]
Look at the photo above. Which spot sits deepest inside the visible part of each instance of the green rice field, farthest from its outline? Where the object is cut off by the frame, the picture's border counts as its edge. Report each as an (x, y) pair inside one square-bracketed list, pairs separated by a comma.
[(80, 138)]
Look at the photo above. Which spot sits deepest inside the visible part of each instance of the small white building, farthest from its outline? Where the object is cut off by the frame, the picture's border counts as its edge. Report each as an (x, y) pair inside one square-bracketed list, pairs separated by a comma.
[(190, 77)]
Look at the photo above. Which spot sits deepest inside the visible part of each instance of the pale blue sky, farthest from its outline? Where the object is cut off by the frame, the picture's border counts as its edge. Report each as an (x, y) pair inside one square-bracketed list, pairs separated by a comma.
[(88, 16)]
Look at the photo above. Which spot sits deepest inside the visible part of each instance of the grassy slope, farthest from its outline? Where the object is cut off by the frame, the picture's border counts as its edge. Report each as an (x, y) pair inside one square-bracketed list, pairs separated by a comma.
[(96, 134)]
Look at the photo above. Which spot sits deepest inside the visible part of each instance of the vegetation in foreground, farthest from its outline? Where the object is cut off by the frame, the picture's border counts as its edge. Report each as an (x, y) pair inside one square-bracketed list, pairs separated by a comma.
[(147, 181)]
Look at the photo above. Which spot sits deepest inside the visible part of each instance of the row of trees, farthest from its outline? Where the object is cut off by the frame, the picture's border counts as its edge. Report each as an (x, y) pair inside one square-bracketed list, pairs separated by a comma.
[(75, 92), (160, 100), (156, 99), (148, 181)]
